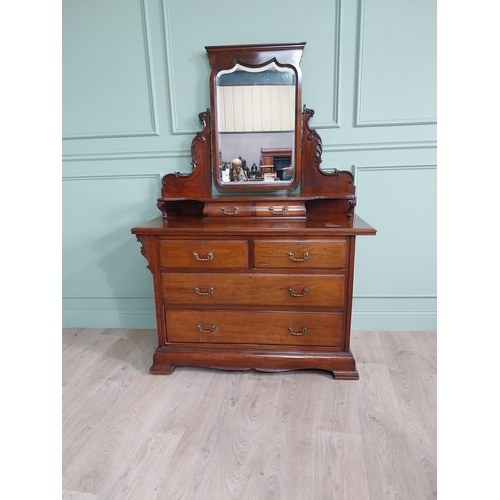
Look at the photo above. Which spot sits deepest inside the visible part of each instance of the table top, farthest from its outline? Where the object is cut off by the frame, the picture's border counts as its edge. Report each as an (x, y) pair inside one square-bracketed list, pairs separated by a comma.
[(328, 225)]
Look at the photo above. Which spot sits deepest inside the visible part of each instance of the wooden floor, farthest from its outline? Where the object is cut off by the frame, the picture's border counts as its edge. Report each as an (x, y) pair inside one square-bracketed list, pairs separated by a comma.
[(215, 435)]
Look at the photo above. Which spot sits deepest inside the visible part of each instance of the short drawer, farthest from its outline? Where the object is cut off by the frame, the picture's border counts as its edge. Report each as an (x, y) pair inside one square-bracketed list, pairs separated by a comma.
[(300, 254), (254, 327), (227, 209), (280, 210), (204, 254), (249, 290)]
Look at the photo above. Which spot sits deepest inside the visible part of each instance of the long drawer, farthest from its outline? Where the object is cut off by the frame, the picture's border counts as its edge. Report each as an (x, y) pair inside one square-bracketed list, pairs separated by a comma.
[(253, 327), (204, 254), (300, 254), (248, 290)]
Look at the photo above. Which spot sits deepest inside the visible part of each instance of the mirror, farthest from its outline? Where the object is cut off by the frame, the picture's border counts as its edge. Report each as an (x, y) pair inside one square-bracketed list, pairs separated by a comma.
[(256, 109), (255, 116)]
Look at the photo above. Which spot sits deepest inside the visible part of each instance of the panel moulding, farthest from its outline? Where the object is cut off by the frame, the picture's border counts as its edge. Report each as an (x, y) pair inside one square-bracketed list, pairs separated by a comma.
[(335, 122), (139, 155), (395, 295), (154, 131), (392, 295), (112, 177), (394, 314), (378, 146), (99, 296), (358, 121), (356, 170), (170, 72)]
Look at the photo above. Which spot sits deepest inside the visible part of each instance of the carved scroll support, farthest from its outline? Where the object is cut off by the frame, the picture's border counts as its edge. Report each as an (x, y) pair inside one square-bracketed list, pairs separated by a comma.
[(198, 182), (200, 145), (162, 206), (352, 205), (314, 142), (145, 242), (315, 181)]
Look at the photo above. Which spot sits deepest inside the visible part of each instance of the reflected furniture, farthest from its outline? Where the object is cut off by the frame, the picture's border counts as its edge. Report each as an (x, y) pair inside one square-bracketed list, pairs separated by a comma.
[(255, 275)]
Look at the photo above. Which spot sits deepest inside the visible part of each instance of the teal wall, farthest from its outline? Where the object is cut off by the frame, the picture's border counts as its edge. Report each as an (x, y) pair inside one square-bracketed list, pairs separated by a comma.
[(135, 77)]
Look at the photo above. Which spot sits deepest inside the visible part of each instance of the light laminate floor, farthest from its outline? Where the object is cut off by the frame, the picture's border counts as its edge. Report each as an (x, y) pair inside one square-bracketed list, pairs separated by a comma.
[(216, 435)]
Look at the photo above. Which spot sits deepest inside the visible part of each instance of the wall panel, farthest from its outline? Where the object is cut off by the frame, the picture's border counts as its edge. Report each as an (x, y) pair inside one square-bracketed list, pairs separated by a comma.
[(396, 270), (103, 271), (101, 100), (396, 80)]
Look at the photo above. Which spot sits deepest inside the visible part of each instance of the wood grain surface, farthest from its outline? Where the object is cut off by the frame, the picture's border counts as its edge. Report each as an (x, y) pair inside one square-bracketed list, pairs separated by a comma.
[(216, 435), (254, 290)]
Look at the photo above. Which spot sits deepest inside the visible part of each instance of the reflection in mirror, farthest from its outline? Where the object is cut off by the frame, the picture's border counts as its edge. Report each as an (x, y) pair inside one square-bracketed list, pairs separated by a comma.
[(256, 124)]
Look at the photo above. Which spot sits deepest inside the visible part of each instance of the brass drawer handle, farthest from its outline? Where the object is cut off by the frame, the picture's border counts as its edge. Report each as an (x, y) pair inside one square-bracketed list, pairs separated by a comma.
[(210, 256), (292, 257), (304, 292), (210, 291), (213, 329), (302, 332), (283, 211), (234, 212)]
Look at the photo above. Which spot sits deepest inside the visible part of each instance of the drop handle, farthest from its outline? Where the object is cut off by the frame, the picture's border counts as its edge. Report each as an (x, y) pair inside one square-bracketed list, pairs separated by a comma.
[(225, 212), (209, 256), (304, 292), (291, 256), (212, 329), (283, 211), (209, 292), (303, 331)]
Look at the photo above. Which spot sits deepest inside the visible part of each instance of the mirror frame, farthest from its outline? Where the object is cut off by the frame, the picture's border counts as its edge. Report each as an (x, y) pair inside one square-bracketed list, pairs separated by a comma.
[(255, 56)]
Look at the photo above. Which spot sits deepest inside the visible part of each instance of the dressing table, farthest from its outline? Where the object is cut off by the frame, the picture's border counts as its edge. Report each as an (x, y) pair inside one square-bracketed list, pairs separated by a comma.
[(254, 271)]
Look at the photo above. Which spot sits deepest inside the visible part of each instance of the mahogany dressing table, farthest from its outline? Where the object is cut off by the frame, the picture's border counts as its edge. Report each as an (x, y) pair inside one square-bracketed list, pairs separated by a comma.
[(253, 266)]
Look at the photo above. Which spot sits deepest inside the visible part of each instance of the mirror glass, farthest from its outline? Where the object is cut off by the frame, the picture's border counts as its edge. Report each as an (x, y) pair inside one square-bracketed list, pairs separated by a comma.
[(256, 125)]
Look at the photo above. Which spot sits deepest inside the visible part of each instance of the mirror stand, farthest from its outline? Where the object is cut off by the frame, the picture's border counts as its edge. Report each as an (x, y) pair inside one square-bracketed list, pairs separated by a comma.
[(252, 87)]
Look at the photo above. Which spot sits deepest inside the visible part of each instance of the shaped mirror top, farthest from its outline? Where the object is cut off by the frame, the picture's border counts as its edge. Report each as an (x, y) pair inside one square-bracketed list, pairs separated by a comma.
[(256, 100)]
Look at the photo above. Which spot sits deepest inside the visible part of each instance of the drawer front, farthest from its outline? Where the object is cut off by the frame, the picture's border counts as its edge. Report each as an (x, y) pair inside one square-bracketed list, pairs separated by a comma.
[(221, 209), (300, 254), (253, 327), (287, 209), (248, 290), (204, 254)]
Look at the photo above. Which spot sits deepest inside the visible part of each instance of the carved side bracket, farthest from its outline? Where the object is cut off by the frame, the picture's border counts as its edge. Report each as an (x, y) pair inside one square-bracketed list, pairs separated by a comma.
[(352, 205), (198, 182), (145, 242), (162, 206), (201, 141), (315, 181), (315, 148)]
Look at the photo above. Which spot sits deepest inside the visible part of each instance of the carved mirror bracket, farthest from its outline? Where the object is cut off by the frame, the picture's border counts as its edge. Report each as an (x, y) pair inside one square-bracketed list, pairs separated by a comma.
[(198, 182)]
